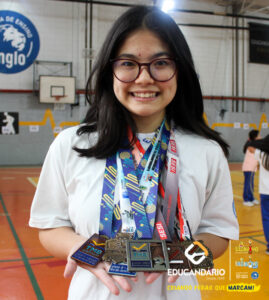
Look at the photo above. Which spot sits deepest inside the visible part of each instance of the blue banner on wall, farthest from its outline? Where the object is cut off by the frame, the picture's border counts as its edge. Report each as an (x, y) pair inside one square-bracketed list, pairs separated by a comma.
[(19, 42)]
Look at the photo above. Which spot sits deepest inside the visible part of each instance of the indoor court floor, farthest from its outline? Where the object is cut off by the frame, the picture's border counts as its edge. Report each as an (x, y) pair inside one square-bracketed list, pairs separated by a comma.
[(28, 272)]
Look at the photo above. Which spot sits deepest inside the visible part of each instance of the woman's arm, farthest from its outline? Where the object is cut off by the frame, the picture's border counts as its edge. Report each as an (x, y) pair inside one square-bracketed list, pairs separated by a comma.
[(216, 244), (63, 241), (60, 241)]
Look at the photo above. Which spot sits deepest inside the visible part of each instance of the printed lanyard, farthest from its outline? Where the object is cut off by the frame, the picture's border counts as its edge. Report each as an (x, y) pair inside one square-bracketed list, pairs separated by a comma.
[(172, 200), (107, 201), (144, 215), (142, 185), (127, 223), (172, 203)]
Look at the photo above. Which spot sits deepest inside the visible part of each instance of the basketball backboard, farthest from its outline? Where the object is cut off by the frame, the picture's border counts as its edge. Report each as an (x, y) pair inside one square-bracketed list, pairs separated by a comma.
[(57, 89)]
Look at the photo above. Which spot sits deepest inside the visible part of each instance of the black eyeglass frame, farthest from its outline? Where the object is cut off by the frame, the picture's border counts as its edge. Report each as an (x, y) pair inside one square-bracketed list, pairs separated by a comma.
[(144, 64)]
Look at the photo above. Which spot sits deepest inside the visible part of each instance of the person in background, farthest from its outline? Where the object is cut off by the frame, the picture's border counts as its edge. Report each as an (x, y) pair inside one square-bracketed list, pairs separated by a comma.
[(103, 177), (261, 153), (249, 168)]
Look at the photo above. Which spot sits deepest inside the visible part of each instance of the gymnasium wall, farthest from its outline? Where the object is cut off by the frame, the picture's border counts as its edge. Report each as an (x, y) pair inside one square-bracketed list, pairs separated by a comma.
[(64, 37)]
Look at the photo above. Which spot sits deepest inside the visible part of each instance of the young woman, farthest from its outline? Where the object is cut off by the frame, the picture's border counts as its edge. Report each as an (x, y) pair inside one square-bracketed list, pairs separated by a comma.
[(249, 167), (262, 155), (147, 103)]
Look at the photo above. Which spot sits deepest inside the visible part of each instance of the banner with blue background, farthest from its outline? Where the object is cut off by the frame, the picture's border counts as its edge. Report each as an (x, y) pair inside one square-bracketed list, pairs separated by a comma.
[(19, 42)]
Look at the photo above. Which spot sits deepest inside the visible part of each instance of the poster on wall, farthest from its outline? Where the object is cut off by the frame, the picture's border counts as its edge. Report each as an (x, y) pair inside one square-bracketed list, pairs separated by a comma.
[(9, 122), (19, 42), (258, 43)]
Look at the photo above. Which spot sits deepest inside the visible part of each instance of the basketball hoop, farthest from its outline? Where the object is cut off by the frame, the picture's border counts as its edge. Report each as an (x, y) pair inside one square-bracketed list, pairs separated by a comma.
[(58, 98), (57, 104)]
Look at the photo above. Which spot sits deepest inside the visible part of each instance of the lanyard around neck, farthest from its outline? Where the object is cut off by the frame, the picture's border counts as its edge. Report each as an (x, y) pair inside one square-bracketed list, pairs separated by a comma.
[(139, 191), (172, 202), (143, 198)]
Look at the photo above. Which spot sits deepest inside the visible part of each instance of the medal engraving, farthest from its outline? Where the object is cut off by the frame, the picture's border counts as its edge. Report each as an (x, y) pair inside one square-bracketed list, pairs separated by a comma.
[(91, 251), (115, 249), (147, 255), (189, 255), (120, 270)]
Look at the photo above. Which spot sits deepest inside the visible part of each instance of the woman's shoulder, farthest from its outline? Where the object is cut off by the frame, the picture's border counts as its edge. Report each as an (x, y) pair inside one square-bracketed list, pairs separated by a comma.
[(67, 135), (195, 141), (70, 138)]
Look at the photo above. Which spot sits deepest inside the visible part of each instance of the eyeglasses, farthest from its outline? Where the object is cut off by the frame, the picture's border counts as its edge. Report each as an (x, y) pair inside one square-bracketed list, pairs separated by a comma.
[(128, 70)]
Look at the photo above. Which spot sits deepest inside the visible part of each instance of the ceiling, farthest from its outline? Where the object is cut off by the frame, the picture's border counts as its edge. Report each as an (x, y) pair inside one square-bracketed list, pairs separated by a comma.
[(244, 6)]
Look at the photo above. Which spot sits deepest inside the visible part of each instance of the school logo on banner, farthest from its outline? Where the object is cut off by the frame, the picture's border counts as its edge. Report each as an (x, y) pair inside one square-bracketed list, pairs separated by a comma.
[(19, 42)]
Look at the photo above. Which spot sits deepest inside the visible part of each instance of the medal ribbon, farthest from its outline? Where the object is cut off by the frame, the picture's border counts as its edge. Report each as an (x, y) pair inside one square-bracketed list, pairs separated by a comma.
[(144, 203), (142, 182), (171, 195), (107, 202)]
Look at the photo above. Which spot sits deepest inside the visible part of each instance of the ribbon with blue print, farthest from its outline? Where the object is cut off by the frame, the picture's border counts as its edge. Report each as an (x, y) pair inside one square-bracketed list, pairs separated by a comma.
[(107, 202), (144, 177)]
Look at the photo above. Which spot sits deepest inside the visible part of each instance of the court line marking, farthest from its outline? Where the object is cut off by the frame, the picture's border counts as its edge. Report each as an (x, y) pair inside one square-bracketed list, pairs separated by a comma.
[(33, 173), (29, 258), (254, 231), (230, 260), (33, 181), (23, 254), (49, 264)]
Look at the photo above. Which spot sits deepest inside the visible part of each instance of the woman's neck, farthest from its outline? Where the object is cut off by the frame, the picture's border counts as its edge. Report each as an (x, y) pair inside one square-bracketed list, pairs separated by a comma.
[(148, 124)]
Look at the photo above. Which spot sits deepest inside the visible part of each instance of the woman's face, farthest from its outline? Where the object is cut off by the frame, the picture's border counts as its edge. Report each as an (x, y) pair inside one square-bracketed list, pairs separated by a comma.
[(145, 97)]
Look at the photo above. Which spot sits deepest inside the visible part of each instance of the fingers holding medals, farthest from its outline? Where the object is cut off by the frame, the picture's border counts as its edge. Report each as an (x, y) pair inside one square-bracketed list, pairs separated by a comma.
[(89, 256), (172, 278), (152, 276), (101, 272), (70, 268), (110, 281)]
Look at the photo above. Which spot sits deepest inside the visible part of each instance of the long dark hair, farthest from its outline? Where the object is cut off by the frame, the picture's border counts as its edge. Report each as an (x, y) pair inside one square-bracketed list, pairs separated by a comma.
[(263, 145), (252, 135), (109, 118)]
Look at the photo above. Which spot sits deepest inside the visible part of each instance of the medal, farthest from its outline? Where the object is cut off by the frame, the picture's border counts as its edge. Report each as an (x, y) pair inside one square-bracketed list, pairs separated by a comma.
[(147, 255), (115, 249), (91, 251), (120, 270), (128, 255), (115, 252)]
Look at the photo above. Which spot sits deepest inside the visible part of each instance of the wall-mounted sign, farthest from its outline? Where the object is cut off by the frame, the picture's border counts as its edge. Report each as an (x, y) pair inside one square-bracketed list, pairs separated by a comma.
[(9, 122), (258, 43), (19, 42)]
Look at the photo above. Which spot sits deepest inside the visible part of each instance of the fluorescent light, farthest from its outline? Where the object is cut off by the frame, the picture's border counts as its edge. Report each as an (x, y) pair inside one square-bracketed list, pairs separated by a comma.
[(168, 5)]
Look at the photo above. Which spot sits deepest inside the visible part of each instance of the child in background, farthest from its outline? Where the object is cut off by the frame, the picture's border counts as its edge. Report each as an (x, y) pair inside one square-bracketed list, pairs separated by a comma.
[(249, 168), (262, 155)]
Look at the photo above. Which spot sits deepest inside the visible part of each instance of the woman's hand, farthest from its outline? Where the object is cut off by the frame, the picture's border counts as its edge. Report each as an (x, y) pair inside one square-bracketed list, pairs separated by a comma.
[(101, 272), (152, 276)]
